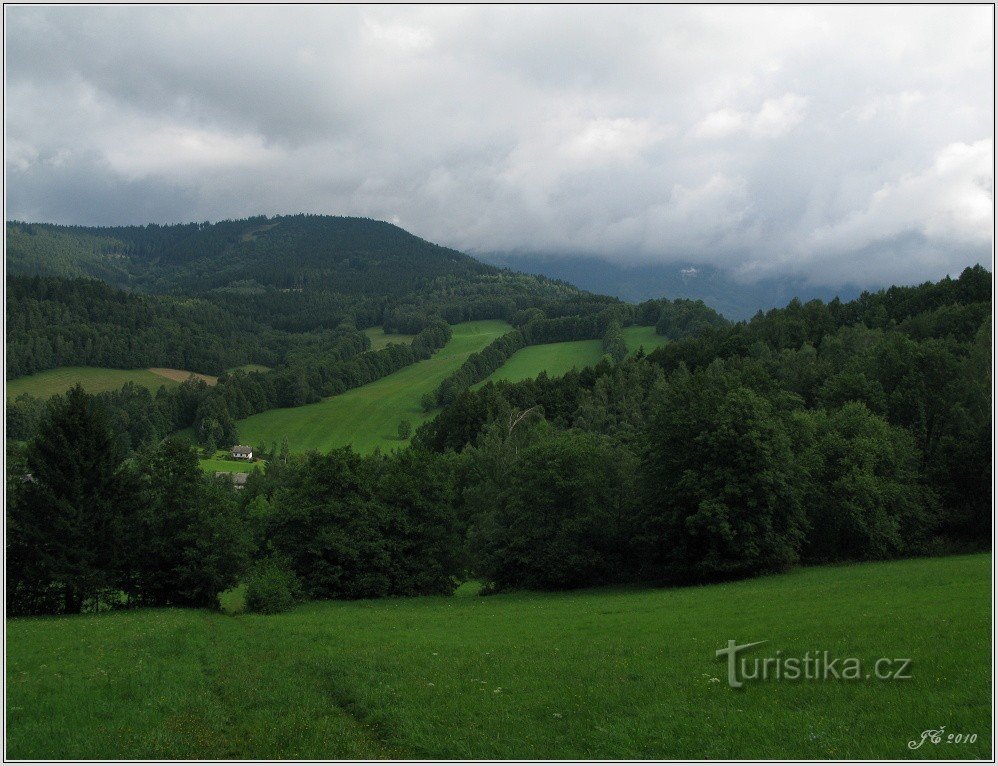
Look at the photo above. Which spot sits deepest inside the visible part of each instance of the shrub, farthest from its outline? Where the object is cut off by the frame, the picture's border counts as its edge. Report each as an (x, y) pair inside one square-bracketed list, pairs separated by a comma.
[(270, 588)]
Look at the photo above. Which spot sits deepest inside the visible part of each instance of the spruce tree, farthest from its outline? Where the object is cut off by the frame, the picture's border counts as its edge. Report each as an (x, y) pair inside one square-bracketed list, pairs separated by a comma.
[(68, 523)]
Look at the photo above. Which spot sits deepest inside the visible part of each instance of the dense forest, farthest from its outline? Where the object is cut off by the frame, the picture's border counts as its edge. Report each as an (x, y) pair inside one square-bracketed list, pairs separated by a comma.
[(303, 252), (818, 432), (813, 433), (60, 322)]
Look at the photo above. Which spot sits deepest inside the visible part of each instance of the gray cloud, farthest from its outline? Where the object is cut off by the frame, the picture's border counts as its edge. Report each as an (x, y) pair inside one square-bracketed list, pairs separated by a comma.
[(833, 143)]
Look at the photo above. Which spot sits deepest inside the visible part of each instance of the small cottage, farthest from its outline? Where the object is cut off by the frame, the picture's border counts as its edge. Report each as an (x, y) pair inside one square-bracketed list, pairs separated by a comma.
[(242, 452)]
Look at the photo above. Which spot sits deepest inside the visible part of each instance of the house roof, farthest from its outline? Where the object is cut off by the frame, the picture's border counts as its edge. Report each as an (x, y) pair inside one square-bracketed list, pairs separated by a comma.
[(242, 448)]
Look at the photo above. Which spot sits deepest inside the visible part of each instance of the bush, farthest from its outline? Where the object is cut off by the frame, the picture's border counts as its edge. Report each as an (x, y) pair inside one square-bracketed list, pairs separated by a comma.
[(271, 588)]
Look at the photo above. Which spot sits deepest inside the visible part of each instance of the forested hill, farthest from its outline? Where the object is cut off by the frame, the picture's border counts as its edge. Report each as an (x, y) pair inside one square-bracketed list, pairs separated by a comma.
[(261, 278), (352, 256)]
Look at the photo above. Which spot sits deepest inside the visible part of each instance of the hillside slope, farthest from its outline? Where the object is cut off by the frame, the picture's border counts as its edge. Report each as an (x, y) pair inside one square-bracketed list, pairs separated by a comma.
[(368, 416), (346, 255)]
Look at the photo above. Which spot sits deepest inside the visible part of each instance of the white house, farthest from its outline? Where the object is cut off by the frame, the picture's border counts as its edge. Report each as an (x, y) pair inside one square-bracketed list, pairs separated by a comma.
[(242, 452)]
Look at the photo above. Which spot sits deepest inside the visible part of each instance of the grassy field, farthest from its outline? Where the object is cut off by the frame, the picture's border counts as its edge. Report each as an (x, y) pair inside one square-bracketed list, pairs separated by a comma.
[(222, 463), (558, 358), (593, 674), (642, 337), (368, 417), (93, 379), (554, 358), (379, 339)]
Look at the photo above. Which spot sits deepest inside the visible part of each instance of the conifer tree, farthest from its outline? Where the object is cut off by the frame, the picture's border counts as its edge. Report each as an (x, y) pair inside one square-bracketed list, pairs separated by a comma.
[(69, 523)]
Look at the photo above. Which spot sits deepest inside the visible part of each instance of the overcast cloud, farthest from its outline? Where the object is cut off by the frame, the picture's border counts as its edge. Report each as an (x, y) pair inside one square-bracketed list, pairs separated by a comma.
[(841, 144)]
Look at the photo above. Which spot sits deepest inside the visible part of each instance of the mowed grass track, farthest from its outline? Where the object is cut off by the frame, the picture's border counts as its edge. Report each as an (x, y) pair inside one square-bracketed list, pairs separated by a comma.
[(558, 358), (594, 674), (368, 417), (93, 379)]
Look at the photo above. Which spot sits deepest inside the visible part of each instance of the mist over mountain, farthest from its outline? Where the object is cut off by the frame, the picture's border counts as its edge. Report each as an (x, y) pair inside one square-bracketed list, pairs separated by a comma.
[(733, 297)]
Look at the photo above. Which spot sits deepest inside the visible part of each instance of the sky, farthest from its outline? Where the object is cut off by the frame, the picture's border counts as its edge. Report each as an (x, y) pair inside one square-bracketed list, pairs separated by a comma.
[(831, 143)]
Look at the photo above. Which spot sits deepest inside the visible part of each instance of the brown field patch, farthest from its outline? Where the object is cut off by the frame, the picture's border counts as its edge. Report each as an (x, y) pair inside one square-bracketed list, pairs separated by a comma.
[(181, 375)]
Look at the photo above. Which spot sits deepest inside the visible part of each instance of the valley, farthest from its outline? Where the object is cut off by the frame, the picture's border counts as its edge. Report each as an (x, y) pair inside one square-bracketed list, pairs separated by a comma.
[(521, 384), (440, 568)]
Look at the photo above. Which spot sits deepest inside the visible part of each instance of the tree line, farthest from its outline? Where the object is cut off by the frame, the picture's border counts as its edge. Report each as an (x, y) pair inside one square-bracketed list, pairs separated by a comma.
[(90, 528), (674, 319)]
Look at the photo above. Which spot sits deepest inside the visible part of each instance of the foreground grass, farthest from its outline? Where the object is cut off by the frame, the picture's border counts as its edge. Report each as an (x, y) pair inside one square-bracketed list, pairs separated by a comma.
[(558, 358), (368, 416), (593, 674), (93, 379)]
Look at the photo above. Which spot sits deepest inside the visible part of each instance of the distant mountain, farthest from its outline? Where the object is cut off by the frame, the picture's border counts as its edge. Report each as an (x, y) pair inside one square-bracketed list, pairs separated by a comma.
[(733, 298), (362, 257), (347, 255)]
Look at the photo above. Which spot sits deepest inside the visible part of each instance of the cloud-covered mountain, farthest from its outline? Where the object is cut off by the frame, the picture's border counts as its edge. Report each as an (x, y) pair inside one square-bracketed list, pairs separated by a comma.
[(735, 298), (825, 142)]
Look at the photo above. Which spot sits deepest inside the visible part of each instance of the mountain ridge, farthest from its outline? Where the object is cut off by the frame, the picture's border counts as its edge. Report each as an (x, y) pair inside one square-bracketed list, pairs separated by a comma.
[(735, 299), (340, 253)]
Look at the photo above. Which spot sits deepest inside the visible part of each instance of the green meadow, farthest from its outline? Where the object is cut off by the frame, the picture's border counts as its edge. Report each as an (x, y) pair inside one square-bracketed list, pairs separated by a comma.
[(368, 416), (380, 339), (610, 673), (553, 358), (558, 358), (93, 379), (221, 462), (643, 338)]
